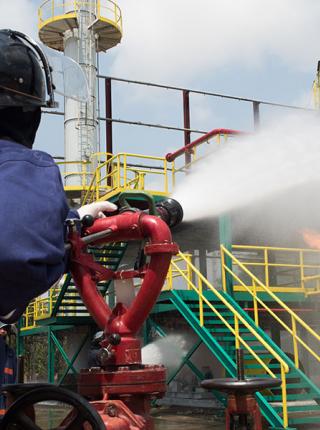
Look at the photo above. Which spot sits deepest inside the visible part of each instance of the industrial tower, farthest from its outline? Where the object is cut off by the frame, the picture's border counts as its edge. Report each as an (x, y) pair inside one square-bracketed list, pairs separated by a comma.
[(81, 29)]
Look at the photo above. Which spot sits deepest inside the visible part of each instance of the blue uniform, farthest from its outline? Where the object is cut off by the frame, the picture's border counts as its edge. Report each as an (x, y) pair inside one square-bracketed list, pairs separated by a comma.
[(32, 216)]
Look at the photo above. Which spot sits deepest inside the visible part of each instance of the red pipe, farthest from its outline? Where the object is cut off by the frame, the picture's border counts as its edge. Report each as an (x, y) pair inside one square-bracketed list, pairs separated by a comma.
[(173, 155), (126, 227)]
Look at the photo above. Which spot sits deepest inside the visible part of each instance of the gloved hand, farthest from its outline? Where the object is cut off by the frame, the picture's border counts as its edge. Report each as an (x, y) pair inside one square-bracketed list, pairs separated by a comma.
[(96, 209)]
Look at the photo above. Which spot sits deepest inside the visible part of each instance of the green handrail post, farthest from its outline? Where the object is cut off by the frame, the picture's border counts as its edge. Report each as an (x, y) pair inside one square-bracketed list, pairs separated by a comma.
[(225, 235), (146, 332), (19, 339), (50, 357)]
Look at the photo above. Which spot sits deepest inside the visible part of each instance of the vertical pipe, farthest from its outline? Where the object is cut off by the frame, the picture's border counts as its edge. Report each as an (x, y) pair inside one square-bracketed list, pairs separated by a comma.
[(109, 141), (108, 94), (240, 365), (256, 115), (186, 123)]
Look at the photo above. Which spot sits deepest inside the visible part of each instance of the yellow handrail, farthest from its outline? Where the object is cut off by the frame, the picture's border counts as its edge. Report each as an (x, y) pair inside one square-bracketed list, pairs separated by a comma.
[(294, 318), (123, 171), (303, 265), (105, 10), (41, 308), (197, 286)]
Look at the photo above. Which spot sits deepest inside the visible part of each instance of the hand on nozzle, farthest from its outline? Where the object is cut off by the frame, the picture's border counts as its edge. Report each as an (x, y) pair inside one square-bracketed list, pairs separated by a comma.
[(96, 209)]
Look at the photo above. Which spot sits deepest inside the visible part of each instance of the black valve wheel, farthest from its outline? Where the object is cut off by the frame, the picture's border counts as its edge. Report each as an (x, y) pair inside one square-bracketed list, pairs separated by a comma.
[(82, 415)]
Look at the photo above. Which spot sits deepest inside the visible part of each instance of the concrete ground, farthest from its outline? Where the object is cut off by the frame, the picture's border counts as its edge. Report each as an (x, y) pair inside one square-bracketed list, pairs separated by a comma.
[(171, 418)]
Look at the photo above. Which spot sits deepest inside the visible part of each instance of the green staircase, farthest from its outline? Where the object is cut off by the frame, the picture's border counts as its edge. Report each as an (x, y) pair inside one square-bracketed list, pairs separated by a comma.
[(301, 396), (69, 302)]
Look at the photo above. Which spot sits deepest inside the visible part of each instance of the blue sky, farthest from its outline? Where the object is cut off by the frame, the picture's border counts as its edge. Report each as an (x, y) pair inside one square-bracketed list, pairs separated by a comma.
[(251, 48)]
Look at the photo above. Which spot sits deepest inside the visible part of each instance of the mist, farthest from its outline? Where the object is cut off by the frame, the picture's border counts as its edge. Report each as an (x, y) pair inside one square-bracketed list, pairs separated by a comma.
[(271, 178), (168, 351)]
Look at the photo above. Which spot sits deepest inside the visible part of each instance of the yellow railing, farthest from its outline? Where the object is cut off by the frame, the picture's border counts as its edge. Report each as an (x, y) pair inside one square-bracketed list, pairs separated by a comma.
[(196, 282), (105, 10), (39, 308), (178, 267), (290, 322), (81, 170), (42, 308), (124, 171), (282, 270)]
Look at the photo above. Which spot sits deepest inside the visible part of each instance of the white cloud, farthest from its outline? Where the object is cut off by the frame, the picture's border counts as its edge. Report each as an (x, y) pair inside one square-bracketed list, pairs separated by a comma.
[(19, 15), (179, 40)]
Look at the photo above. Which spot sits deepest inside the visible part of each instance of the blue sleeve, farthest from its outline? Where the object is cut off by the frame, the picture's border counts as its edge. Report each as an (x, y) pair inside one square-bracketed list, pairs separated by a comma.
[(34, 210)]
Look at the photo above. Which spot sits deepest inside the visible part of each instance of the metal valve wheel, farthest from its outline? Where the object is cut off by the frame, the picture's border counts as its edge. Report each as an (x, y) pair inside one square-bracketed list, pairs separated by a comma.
[(82, 415)]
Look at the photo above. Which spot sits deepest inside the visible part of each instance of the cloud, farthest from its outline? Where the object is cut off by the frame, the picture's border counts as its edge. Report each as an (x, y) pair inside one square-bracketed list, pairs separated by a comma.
[(180, 41), (19, 15)]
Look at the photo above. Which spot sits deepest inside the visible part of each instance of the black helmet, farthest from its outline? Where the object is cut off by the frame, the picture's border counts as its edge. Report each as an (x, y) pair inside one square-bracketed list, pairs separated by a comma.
[(25, 74)]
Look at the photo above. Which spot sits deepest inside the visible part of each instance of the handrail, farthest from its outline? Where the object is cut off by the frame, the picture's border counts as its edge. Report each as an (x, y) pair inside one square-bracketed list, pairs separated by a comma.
[(116, 174), (238, 318), (173, 273), (300, 268), (295, 319), (51, 10), (187, 148)]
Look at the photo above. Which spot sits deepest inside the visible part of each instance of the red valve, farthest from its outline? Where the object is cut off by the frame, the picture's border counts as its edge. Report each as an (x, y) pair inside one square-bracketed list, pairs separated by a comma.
[(124, 321)]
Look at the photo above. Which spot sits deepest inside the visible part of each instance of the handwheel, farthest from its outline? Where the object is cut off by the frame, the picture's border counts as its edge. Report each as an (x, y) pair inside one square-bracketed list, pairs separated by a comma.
[(82, 417)]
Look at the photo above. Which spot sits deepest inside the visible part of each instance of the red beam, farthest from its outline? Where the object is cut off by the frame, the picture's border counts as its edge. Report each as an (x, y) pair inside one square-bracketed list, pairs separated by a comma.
[(187, 148)]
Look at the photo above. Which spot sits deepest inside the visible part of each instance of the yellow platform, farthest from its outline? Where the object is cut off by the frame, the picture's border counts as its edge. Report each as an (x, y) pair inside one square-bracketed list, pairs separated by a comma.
[(56, 17)]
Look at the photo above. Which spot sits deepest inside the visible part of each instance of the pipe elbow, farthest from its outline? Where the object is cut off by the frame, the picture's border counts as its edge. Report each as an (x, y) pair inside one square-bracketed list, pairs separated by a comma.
[(159, 235)]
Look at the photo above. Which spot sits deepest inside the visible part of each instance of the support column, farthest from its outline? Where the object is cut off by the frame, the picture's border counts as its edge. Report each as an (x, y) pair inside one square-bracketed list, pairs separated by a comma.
[(256, 116), (186, 123), (109, 139), (108, 94), (225, 235)]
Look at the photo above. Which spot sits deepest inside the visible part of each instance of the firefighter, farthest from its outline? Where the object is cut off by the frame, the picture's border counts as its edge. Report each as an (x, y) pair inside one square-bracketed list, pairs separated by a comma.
[(8, 363), (33, 203)]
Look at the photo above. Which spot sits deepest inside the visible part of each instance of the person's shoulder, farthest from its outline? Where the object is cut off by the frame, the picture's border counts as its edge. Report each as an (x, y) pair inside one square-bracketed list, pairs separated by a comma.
[(12, 151), (42, 156)]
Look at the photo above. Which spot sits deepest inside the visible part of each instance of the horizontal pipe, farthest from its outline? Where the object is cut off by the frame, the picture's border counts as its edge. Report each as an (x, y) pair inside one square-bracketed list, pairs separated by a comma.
[(205, 93), (173, 155)]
